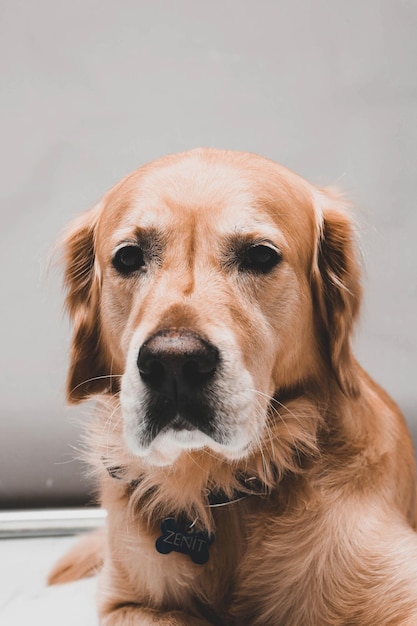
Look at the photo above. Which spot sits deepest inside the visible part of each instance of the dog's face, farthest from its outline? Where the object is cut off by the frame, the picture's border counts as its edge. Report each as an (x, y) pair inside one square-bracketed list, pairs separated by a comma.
[(210, 281)]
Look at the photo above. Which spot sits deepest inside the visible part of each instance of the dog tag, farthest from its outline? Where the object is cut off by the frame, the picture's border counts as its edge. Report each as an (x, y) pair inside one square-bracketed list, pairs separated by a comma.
[(179, 537)]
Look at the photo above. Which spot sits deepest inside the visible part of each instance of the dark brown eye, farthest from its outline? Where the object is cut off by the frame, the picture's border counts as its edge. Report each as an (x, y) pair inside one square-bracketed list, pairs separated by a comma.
[(128, 259), (260, 259)]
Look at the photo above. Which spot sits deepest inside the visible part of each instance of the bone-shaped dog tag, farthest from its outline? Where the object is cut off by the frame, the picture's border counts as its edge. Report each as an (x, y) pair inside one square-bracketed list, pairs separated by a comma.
[(179, 537)]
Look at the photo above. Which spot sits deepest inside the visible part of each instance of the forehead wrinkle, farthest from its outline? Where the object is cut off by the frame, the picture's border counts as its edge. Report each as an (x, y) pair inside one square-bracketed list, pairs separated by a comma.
[(190, 255)]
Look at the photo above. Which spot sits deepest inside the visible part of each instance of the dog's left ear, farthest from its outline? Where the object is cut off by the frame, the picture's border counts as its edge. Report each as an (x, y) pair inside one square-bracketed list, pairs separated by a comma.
[(336, 287)]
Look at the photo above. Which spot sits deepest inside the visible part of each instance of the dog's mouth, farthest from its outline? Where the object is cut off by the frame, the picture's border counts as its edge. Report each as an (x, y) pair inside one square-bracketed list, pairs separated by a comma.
[(178, 415)]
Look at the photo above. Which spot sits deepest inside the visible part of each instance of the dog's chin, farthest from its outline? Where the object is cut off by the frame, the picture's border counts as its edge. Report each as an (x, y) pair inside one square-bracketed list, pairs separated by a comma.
[(171, 443)]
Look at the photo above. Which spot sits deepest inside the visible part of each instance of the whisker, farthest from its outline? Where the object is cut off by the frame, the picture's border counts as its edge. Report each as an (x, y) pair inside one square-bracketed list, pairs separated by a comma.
[(89, 380), (109, 423), (274, 400), (269, 433)]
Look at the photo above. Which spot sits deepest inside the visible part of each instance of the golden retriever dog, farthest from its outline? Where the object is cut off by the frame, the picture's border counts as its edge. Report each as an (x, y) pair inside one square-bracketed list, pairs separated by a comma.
[(253, 473)]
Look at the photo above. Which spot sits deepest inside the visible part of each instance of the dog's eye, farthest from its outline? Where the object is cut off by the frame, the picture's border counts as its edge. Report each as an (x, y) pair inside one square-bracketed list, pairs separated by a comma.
[(260, 258), (128, 259)]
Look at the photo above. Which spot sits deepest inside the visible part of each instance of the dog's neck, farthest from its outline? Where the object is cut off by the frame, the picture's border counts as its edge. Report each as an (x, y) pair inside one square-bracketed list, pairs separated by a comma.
[(183, 492), (216, 497)]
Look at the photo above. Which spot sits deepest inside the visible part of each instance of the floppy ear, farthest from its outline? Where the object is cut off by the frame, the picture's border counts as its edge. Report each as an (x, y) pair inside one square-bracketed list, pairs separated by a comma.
[(337, 289), (88, 371)]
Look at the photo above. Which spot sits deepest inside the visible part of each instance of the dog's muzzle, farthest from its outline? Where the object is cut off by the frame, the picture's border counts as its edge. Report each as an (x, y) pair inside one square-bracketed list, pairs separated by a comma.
[(177, 367)]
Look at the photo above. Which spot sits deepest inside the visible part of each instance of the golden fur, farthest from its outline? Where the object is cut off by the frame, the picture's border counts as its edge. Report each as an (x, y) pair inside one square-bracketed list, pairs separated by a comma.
[(328, 538)]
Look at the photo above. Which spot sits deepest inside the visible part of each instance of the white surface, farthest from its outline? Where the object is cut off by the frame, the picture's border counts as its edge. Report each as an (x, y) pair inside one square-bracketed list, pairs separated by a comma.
[(25, 600), (49, 522)]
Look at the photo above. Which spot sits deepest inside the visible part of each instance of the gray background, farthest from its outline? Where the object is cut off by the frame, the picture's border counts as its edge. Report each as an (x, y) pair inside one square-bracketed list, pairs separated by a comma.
[(93, 89)]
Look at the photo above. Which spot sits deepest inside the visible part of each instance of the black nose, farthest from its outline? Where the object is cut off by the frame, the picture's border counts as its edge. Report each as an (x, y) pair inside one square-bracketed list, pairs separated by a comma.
[(177, 363)]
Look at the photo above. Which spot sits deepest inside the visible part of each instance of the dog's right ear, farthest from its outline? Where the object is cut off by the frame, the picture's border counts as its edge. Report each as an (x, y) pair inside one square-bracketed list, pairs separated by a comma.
[(88, 371)]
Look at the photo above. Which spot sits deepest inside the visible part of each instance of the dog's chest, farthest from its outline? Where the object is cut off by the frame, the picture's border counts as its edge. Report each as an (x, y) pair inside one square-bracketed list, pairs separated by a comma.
[(189, 569)]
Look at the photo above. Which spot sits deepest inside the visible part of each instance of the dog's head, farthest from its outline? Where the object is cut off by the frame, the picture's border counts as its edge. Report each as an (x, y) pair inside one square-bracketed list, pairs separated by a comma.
[(209, 283)]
